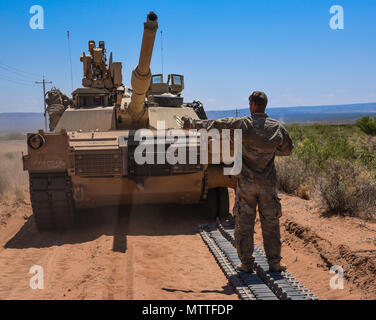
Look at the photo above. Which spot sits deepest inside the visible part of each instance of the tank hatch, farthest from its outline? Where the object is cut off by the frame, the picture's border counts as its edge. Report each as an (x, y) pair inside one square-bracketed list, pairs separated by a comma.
[(166, 94)]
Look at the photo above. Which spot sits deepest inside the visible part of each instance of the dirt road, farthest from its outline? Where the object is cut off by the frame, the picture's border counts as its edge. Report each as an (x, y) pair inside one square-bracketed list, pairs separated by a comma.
[(156, 252), (113, 253)]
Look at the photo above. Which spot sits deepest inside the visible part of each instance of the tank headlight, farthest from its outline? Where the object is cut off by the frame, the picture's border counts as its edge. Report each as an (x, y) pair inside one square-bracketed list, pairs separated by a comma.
[(35, 141)]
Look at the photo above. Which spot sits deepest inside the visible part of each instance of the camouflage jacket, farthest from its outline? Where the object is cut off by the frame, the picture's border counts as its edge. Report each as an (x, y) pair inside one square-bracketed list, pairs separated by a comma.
[(262, 139)]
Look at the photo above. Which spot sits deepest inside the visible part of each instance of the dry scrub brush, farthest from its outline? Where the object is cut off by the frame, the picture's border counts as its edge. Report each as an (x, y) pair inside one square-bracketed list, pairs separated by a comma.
[(339, 162), (296, 177), (348, 189), (4, 179)]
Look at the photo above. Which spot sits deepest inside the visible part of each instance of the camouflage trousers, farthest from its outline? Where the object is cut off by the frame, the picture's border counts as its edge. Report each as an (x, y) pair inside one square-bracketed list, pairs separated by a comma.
[(249, 195)]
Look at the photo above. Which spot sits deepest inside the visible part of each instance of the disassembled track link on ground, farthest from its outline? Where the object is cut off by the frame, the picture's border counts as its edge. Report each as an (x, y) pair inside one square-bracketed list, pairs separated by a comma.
[(283, 284), (247, 286), (263, 285), (230, 272)]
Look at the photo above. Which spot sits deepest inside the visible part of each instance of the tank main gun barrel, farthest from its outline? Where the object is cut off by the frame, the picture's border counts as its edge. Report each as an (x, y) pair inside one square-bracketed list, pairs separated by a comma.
[(141, 75)]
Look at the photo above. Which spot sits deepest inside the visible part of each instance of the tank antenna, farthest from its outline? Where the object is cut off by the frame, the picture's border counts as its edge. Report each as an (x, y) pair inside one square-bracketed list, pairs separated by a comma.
[(70, 60), (162, 50)]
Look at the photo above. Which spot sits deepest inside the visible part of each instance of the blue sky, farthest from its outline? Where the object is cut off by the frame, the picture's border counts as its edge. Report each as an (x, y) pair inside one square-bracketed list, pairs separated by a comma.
[(225, 49)]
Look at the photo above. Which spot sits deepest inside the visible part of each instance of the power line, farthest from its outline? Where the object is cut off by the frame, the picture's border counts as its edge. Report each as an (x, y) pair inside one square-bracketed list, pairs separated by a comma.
[(20, 82), (16, 77), (13, 69), (44, 100), (13, 72)]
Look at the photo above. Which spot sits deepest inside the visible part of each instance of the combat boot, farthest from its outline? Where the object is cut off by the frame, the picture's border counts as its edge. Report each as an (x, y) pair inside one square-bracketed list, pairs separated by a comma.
[(277, 267), (245, 268)]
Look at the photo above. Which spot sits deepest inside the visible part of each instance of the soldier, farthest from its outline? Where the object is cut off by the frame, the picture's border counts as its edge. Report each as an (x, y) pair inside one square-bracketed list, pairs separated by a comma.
[(57, 103), (262, 139)]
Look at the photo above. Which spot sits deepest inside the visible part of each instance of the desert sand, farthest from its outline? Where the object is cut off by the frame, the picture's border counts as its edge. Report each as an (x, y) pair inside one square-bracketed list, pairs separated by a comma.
[(145, 253)]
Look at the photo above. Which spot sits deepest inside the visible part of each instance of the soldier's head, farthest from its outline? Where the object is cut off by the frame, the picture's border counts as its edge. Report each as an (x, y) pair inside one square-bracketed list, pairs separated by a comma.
[(258, 101)]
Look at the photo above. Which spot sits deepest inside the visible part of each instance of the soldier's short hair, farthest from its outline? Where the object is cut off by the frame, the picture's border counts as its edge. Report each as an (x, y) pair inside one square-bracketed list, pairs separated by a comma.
[(260, 98)]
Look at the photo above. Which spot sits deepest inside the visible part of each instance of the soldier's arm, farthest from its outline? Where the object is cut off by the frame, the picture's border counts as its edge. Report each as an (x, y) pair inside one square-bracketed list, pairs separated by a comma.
[(286, 145), (225, 123)]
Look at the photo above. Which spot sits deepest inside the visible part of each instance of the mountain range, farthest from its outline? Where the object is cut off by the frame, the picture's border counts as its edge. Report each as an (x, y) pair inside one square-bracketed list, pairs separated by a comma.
[(335, 114)]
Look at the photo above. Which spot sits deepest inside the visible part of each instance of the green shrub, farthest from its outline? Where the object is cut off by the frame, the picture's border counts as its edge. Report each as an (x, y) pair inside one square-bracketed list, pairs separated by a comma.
[(317, 151), (316, 144), (367, 158), (367, 125), (339, 159)]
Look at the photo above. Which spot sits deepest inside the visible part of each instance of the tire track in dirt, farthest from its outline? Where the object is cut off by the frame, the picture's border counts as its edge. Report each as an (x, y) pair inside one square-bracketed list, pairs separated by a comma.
[(150, 254), (129, 273), (358, 270)]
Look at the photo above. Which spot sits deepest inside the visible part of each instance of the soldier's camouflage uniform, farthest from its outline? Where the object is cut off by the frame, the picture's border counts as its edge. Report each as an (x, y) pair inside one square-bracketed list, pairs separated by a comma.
[(57, 103), (262, 139)]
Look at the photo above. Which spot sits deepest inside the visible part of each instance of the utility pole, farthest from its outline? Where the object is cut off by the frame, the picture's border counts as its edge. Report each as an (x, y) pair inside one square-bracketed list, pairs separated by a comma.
[(162, 50), (236, 112), (44, 100)]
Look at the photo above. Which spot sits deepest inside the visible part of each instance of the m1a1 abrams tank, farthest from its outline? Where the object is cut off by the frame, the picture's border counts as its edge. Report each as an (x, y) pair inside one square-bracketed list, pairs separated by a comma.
[(88, 160)]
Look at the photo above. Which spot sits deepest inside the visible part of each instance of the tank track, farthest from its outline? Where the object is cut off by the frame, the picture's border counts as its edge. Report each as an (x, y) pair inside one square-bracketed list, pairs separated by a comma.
[(247, 286), (283, 284), (52, 200)]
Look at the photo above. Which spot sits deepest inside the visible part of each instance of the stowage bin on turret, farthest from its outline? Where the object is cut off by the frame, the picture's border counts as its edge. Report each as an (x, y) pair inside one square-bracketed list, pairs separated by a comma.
[(89, 159), (97, 73)]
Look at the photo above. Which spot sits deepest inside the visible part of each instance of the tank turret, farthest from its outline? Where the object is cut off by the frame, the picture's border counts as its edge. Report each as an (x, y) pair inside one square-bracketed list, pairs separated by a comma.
[(141, 75)]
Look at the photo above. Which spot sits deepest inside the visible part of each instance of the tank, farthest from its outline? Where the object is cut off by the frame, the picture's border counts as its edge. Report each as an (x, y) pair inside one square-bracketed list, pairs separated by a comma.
[(89, 157)]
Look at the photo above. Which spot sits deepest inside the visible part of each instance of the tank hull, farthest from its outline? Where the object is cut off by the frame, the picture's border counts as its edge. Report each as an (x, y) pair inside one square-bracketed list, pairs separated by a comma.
[(102, 169), (96, 192)]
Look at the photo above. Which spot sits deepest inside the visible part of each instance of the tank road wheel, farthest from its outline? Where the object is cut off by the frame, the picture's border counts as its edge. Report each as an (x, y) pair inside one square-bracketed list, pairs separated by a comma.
[(52, 200), (211, 205), (223, 202), (217, 204)]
